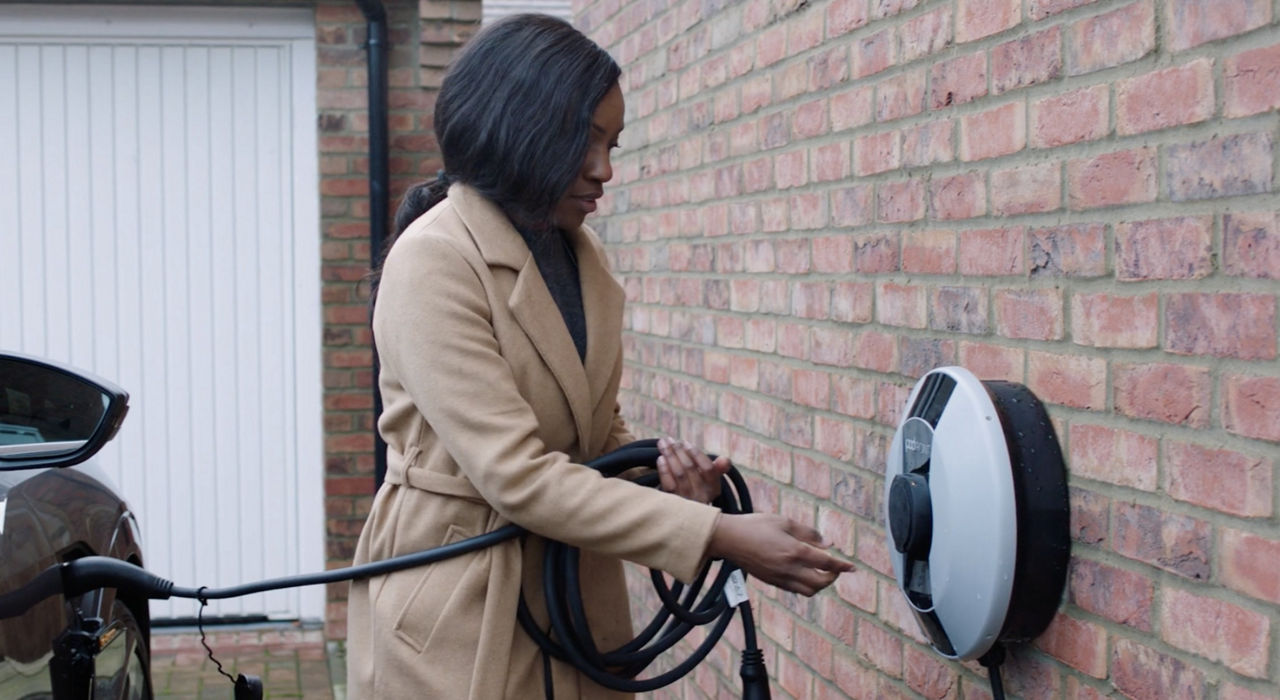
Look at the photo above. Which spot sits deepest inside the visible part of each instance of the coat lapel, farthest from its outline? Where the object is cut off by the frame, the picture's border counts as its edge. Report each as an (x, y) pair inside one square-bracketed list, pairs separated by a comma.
[(602, 304), (530, 302)]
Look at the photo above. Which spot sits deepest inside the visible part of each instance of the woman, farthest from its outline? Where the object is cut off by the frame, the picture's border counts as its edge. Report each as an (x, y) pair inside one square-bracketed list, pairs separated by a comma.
[(498, 329)]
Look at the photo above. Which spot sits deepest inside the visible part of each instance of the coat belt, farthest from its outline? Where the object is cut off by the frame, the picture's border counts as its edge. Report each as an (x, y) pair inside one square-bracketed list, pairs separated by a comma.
[(434, 482)]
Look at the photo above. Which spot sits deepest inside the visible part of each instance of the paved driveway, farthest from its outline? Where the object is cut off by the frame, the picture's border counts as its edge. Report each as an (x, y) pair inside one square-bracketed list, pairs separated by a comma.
[(292, 662)]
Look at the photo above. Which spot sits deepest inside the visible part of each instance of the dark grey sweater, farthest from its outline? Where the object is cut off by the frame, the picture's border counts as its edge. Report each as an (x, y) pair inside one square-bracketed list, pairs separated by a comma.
[(554, 256)]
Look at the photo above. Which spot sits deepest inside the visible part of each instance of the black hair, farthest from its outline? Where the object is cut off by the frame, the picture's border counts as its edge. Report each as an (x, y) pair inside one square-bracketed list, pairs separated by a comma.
[(513, 118), (418, 199)]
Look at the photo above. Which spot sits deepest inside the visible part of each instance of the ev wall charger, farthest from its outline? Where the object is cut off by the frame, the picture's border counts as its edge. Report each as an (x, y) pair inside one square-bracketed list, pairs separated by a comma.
[(977, 514)]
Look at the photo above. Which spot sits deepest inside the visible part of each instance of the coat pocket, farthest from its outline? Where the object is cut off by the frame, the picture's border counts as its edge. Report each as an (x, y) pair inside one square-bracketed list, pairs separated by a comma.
[(432, 593)]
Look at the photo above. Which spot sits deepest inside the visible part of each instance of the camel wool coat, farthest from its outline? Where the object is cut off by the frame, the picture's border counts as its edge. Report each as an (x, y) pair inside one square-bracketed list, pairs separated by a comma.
[(488, 414)]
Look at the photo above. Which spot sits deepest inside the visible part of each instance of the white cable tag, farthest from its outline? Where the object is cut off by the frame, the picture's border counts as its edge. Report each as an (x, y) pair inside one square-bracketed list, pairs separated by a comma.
[(735, 589)]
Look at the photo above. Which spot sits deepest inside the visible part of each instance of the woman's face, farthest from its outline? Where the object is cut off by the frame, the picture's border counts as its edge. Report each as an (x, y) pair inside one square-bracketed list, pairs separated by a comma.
[(580, 199)]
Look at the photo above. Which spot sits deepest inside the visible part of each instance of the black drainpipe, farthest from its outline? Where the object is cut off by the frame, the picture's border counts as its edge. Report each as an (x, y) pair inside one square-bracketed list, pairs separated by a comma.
[(376, 17)]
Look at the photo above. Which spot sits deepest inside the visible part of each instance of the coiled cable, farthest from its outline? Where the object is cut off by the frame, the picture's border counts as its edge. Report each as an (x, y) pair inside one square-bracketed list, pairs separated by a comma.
[(682, 608)]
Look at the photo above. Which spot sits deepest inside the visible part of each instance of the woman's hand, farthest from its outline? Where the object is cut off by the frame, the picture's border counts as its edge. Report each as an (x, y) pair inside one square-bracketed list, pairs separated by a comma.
[(777, 550), (688, 472)]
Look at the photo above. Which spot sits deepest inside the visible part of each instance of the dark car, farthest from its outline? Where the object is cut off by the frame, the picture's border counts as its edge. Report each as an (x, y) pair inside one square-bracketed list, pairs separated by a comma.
[(56, 505)]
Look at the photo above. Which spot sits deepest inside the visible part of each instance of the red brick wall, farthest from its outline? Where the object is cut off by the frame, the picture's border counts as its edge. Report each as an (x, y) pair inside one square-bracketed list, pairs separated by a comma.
[(818, 201), (422, 35)]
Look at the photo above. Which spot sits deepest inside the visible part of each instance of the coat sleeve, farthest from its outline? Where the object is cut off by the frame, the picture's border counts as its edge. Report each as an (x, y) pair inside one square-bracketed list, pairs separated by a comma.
[(435, 336)]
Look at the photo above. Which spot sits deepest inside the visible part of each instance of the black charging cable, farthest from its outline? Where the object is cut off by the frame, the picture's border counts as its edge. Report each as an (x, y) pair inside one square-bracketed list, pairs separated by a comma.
[(683, 608), (569, 638), (992, 661)]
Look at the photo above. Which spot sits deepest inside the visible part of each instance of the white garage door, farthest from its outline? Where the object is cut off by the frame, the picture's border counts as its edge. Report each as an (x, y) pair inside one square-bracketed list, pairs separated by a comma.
[(159, 227)]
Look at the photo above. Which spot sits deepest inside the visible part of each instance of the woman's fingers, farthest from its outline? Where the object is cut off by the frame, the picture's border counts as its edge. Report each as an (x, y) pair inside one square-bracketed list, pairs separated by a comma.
[(777, 550), (683, 453), (697, 468), (708, 471), (804, 533), (822, 560), (774, 549), (667, 448), (667, 481), (810, 581), (815, 554), (677, 472), (691, 473), (812, 570)]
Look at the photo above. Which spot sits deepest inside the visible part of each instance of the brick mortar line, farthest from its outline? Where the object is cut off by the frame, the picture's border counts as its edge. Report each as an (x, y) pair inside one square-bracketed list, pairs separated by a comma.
[(830, 505), (1105, 284), (1027, 279), (1214, 129), (1212, 669), (1253, 38), (1115, 493), (1158, 576), (947, 52), (779, 444), (1063, 84), (1105, 215), (1139, 355), (871, 26), (991, 285), (1102, 417), (1216, 435), (869, 426), (1166, 504), (926, 176), (1032, 223), (851, 644)]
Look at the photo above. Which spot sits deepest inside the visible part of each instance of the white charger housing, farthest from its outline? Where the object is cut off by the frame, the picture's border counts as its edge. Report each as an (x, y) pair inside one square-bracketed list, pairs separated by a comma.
[(976, 512)]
